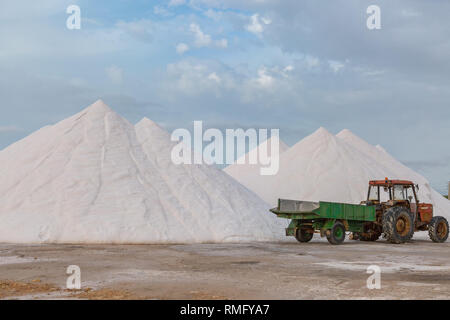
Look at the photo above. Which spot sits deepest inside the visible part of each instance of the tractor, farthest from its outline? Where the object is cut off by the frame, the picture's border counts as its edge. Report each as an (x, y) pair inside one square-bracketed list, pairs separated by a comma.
[(399, 213), (392, 208)]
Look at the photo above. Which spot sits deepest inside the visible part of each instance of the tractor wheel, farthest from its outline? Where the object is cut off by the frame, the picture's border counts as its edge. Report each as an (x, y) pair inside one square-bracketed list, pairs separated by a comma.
[(398, 225), (438, 229), (336, 235), (372, 236), (304, 235)]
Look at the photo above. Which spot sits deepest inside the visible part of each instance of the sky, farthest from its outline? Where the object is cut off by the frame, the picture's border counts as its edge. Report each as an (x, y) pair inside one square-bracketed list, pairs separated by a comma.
[(287, 64)]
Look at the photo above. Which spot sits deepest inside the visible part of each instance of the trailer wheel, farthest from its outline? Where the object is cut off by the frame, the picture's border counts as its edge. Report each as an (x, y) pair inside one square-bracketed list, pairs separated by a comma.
[(304, 235), (438, 229), (336, 235), (398, 225)]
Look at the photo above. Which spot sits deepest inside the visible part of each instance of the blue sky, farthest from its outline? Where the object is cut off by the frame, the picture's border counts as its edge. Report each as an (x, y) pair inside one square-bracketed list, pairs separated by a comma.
[(293, 65)]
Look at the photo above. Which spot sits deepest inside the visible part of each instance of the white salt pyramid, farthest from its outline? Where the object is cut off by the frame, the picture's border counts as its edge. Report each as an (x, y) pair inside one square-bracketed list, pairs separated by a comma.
[(89, 179), (245, 172)]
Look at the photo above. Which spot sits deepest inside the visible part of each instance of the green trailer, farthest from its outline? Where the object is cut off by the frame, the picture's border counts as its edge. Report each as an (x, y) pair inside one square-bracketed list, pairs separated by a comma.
[(327, 218)]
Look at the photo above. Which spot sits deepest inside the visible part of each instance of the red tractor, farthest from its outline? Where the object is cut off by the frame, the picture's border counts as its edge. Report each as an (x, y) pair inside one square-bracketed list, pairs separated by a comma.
[(399, 213)]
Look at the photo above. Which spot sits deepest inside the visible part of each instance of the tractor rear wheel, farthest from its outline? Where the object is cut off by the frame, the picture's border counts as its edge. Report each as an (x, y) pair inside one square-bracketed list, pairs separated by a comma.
[(398, 225), (336, 235), (438, 229), (304, 235)]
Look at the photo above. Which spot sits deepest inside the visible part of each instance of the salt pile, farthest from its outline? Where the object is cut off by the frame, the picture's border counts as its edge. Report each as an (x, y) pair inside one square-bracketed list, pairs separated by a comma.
[(96, 178), (246, 172), (332, 168)]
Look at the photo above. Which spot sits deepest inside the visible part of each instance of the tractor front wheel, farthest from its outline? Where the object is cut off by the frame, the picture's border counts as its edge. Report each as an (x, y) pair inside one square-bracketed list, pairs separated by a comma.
[(398, 225), (438, 229), (304, 235), (336, 235)]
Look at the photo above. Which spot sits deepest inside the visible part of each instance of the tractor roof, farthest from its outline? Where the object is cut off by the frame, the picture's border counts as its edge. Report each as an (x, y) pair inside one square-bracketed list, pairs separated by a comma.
[(390, 183)]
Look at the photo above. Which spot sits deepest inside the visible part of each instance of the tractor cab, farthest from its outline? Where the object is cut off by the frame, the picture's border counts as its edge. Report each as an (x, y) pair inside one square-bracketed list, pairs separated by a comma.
[(389, 193)]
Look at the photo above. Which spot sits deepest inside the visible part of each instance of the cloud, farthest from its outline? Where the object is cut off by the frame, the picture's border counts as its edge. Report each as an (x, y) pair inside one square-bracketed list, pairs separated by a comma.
[(204, 40), (213, 76), (201, 80), (287, 70), (256, 24), (182, 48), (115, 74), (336, 66), (201, 39), (264, 79), (190, 78)]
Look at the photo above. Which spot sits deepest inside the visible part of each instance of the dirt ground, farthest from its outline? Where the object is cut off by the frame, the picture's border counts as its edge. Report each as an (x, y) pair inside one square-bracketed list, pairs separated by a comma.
[(286, 270)]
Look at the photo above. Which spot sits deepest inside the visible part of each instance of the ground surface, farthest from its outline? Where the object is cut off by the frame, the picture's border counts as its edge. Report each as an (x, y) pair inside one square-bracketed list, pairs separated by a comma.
[(317, 270)]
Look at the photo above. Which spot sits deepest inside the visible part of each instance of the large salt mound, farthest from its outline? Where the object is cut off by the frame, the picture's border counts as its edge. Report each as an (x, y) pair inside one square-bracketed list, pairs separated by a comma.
[(329, 168), (88, 179), (245, 172)]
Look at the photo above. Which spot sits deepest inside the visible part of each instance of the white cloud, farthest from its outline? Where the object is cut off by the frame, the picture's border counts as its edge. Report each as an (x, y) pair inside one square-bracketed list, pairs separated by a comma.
[(264, 79), (182, 48), (196, 78), (256, 24), (287, 70), (190, 78), (266, 20), (336, 66), (213, 76), (115, 74), (204, 40), (201, 39)]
